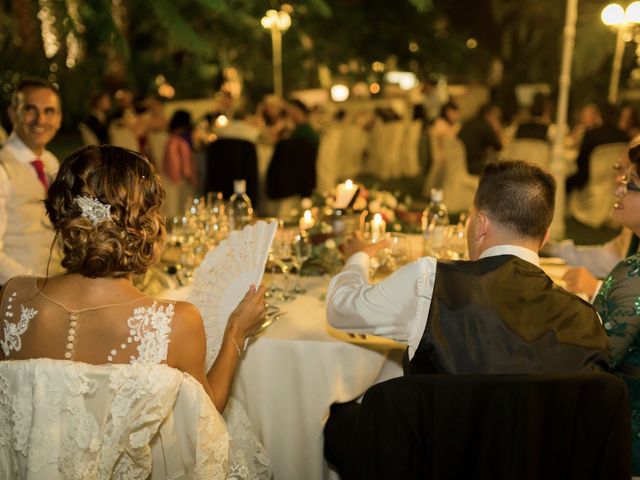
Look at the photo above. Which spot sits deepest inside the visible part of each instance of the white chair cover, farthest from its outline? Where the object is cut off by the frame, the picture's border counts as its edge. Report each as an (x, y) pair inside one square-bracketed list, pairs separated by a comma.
[(529, 150), (123, 137), (385, 155), (459, 186), (88, 135), (71, 420), (353, 146), (593, 203), (410, 147)]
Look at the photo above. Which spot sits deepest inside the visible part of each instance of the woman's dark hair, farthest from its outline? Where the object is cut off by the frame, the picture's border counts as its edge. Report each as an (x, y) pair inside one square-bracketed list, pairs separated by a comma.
[(180, 119), (132, 239), (445, 109)]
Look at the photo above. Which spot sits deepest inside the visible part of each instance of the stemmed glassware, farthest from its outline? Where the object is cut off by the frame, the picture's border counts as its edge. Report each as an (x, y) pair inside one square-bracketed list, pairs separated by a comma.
[(283, 255), (301, 248)]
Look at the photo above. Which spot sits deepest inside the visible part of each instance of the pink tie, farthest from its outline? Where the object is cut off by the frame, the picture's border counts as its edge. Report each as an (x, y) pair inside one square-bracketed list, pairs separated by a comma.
[(39, 168)]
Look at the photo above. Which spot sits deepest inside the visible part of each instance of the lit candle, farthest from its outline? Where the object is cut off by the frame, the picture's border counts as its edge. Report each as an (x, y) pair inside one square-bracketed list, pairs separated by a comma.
[(307, 221), (378, 228), (344, 193)]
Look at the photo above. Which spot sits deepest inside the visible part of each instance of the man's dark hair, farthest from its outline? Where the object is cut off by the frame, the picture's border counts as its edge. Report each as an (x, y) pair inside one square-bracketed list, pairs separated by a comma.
[(32, 82), (180, 119), (517, 195)]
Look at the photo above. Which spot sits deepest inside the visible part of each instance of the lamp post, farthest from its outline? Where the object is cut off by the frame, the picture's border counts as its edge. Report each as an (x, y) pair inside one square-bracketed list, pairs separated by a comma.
[(277, 23), (614, 16)]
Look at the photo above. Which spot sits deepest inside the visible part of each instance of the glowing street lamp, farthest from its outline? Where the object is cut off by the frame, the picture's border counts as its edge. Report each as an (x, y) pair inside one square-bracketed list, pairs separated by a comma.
[(616, 17), (277, 23)]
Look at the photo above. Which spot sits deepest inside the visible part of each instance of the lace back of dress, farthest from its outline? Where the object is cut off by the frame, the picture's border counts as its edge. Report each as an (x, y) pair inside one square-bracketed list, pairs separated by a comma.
[(36, 325)]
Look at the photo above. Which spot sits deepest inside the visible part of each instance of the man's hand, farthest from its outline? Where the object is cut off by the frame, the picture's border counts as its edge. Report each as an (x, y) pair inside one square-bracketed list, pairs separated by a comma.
[(357, 243), (580, 280)]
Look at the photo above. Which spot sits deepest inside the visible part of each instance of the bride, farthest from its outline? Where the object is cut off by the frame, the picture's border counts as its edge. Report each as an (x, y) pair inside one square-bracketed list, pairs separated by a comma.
[(104, 206)]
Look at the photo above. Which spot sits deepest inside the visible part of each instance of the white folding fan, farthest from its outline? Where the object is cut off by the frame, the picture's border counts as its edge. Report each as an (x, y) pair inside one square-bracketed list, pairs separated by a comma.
[(224, 277)]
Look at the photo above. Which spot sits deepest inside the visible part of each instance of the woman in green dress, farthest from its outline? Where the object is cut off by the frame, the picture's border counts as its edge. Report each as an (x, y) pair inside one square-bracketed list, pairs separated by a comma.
[(618, 300)]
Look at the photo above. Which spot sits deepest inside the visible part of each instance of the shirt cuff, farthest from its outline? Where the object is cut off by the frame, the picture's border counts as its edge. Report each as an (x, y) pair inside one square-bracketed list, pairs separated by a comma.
[(359, 260), (593, 298)]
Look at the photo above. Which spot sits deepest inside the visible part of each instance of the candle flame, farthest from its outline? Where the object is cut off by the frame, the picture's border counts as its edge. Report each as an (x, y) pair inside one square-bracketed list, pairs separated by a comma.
[(348, 184), (307, 215), (377, 218)]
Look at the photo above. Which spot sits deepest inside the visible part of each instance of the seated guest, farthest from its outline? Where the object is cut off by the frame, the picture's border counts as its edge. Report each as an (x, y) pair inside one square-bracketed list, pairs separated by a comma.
[(481, 137), (608, 132), (589, 118), (104, 206), (496, 314), (537, 127), (98, 119), (619, 296)]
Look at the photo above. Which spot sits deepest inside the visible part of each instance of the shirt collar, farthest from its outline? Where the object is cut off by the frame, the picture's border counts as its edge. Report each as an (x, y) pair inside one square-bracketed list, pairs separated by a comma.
[(21, 152), (520, 252)]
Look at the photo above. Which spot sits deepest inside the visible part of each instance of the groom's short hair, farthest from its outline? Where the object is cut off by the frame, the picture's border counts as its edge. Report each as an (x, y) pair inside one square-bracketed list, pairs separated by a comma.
[(518, 195)]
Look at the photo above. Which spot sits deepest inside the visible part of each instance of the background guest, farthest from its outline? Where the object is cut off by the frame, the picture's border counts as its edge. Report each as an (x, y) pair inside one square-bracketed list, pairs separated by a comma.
[(26, 169), (179, 170), (98, 119), (482, 137)]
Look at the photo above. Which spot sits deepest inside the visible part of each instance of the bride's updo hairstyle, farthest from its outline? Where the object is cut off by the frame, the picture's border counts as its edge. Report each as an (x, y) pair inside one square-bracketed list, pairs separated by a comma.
[(131, 236)]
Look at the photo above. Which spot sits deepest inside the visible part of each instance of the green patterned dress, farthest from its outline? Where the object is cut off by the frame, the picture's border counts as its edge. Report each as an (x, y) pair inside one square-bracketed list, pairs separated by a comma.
[(618, 303)]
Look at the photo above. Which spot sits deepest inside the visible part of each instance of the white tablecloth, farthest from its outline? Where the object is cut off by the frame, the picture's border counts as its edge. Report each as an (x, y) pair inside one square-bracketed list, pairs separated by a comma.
[(293, 371)]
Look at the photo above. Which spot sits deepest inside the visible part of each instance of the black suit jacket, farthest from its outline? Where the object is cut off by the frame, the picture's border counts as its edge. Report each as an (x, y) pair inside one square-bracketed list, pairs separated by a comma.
[(232, 159)]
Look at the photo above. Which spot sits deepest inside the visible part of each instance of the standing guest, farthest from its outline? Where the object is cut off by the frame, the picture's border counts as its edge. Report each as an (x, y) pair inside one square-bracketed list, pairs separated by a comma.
[(482, 137), (26, 169), (608, 132), (179, 172), (98, 119), (292, 171), (496, 314), (444, 128)]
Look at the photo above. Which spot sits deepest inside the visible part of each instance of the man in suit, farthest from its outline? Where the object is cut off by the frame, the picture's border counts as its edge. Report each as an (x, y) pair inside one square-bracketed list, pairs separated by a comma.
[(98, 119), (26, 169), (496, 314), (608, 132)]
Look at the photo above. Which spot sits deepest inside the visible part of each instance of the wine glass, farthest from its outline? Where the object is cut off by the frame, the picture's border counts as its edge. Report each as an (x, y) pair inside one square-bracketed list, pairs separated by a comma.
[(301, 248), (398, 252), (283, 255)]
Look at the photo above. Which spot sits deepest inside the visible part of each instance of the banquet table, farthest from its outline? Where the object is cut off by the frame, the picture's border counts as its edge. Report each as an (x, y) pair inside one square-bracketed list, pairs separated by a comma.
[(295, 369)]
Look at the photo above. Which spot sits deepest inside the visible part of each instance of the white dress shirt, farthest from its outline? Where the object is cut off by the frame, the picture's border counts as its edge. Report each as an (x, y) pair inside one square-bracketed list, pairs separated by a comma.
[(398, 306), (16, 148)]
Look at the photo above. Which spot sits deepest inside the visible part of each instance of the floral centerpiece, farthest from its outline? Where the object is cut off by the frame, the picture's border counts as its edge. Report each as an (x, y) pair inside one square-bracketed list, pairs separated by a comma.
[(332, 225)]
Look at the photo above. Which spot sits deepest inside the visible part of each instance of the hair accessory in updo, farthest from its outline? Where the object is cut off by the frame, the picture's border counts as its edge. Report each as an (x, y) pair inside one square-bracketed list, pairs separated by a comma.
[(93, 209)]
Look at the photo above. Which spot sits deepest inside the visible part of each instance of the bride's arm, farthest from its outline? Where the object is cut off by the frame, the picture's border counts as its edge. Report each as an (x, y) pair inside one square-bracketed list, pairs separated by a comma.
[(243, 322), (188, 344)]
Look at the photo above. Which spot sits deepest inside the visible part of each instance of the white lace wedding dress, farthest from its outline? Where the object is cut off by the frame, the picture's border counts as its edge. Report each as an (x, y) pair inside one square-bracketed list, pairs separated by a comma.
[(124, 415)]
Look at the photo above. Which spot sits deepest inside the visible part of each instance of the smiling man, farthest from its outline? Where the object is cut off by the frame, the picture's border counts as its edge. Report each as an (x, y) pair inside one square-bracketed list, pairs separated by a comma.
[(26, 169)]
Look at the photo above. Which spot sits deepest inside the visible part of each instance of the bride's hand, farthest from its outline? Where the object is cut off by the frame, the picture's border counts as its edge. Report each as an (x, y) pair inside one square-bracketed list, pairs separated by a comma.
[(249, 315)]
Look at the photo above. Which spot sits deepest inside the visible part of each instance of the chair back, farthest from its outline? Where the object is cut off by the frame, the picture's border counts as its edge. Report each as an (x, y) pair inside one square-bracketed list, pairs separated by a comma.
[(61, 419), (530, 150), (410, 148), (592, 204), (458, 185), (551, 426), (88, 135)]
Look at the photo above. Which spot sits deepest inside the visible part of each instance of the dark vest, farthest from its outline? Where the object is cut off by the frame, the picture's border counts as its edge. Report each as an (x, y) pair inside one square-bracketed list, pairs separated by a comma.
[(502, 315)]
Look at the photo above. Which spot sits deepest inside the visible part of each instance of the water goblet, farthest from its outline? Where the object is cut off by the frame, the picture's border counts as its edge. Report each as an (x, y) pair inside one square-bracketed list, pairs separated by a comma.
[(301, 247)]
